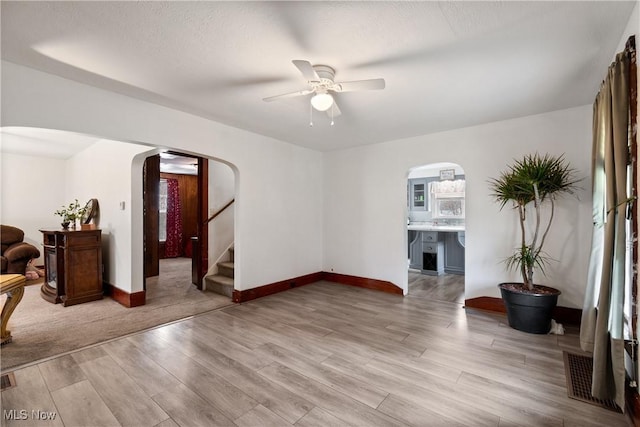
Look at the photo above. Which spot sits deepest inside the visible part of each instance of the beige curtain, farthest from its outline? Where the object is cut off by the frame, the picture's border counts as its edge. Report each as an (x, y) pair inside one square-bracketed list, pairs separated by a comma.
[(601, 330)]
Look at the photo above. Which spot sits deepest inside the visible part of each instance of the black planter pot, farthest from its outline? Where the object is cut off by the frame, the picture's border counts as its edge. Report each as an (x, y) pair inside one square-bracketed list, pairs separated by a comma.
[(529, 312)]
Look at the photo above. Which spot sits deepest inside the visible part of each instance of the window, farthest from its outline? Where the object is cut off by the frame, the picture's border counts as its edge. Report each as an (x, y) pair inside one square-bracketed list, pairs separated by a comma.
[(162, 216)]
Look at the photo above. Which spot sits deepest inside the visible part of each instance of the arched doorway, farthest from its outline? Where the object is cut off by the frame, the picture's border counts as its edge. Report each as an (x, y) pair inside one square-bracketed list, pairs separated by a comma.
[(436, 232), (204, 191)]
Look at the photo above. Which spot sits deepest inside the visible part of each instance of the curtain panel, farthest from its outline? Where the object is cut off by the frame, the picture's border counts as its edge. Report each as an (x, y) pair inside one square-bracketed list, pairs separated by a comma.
[(601, 329), (173, 243)]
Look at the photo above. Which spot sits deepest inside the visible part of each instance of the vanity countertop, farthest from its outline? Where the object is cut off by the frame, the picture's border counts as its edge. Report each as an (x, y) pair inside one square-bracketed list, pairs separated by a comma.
[(418, 226)]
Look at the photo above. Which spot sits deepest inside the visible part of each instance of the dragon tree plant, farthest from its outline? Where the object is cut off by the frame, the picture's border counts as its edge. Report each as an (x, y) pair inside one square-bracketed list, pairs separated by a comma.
[(533, 182)]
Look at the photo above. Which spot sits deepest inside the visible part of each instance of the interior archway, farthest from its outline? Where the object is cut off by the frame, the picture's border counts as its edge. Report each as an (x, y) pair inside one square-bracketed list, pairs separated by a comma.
[(436, 232), (222, 230), (119, 167)]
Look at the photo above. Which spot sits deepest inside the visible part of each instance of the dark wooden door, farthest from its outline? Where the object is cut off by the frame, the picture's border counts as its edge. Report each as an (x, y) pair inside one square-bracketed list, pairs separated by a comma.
[(201, 253), (151, 207)]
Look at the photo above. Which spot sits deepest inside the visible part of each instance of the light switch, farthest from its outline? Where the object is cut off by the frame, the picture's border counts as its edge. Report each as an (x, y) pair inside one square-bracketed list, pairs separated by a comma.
[(121, 206)]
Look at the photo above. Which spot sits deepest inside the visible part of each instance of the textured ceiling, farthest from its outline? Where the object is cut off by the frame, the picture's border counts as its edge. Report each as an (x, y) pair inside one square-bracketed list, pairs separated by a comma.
[(446, 64)]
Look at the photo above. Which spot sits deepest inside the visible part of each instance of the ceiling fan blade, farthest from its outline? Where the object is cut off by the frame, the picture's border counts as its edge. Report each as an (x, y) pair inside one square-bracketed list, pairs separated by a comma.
[(288, 95), (307, 70), (372, 84), (334, 111)]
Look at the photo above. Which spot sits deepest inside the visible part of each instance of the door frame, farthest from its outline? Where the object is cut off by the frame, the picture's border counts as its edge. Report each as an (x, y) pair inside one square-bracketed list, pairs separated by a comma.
[(200, 260), (150, 216)]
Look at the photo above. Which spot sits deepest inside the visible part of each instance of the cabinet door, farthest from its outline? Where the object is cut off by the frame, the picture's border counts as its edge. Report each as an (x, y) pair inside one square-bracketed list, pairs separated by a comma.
[(83, 275), (83, 267), (415, 251), (419, 194), (454, 254)]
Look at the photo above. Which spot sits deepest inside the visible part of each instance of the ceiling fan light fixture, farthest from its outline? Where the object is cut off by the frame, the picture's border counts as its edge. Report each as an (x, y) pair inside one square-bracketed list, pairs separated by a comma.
[(322, 101)]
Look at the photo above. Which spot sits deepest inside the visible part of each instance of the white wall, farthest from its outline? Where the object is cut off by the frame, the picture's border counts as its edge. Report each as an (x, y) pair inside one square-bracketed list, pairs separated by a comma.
[(221, 191), (32, 190), (103, 171), (344, 211), (278, 230), (632, 28), (365, 200)]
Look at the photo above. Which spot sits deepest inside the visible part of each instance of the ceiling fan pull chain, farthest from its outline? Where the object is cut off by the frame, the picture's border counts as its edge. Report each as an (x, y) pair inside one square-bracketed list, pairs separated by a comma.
[(332, 108), (310, 115)]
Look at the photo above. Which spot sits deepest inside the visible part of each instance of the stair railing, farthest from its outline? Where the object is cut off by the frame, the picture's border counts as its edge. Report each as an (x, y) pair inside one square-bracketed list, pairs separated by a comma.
[(219, 211), (195, 274)]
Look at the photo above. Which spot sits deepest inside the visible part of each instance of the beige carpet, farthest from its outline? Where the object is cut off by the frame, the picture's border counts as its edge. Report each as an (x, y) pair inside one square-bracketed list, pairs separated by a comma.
[(41, 329), (38, 281)]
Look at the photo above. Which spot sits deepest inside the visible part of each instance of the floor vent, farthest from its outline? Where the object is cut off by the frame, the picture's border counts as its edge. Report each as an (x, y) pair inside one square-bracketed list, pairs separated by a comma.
[(578, 371), (7, 381)]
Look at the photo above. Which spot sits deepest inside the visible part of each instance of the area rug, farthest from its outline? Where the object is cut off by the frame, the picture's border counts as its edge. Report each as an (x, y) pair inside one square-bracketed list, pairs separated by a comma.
[(578, 370), (38, 281), (41, 329)]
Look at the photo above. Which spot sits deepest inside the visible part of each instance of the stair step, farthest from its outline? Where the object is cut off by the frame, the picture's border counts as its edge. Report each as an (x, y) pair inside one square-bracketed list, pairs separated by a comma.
[(226, 269), (219, 284)]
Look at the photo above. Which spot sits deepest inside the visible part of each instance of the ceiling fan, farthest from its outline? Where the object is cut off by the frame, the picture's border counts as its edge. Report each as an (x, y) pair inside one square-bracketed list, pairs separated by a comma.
[(320, 79)]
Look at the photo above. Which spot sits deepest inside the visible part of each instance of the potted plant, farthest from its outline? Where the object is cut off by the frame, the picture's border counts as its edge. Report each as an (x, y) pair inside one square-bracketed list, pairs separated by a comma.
[(70, 214), (534, 182)]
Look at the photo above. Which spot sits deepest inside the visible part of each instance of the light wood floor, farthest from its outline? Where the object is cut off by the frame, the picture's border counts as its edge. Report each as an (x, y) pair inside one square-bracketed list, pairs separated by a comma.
[(318, 355), (41, 329), (446, 287)]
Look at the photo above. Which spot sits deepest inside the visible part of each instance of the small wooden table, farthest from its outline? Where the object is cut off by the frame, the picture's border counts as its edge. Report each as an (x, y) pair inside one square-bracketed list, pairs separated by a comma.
[(13, 286)]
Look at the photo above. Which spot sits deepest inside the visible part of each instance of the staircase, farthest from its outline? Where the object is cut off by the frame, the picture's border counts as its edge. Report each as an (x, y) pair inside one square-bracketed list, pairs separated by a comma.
[(222, 283)]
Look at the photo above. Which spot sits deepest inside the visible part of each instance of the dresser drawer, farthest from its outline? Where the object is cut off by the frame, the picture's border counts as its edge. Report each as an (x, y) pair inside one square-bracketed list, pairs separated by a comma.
[(430, 236), (431, 248)]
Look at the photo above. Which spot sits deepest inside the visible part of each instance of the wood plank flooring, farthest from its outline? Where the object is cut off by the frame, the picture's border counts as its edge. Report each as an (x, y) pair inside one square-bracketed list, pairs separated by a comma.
[(446, 287), (41, 330), (319, 355)]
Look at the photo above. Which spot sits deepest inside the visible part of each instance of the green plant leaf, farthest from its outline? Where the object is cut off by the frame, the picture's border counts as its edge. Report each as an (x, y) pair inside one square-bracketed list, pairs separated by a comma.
[(533, 179)]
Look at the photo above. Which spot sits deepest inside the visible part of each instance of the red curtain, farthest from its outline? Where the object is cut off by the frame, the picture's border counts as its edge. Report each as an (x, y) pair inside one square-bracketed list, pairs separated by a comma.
[(173, 244)]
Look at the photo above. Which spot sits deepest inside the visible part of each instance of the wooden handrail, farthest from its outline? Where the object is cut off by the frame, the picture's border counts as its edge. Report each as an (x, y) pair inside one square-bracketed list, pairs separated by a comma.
[(219, 211)]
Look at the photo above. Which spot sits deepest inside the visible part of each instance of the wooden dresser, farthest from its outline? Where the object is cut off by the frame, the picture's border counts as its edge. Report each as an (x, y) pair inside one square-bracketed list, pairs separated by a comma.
[(73, 266)]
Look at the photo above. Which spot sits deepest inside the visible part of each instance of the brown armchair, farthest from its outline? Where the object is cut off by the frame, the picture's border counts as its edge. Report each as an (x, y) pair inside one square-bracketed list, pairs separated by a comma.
[(15, 253)]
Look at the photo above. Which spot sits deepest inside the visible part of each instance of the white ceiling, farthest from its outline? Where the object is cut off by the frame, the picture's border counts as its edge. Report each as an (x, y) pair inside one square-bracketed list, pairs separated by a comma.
[(63, 145), (446, 64), (182, 165), (32, 141)]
